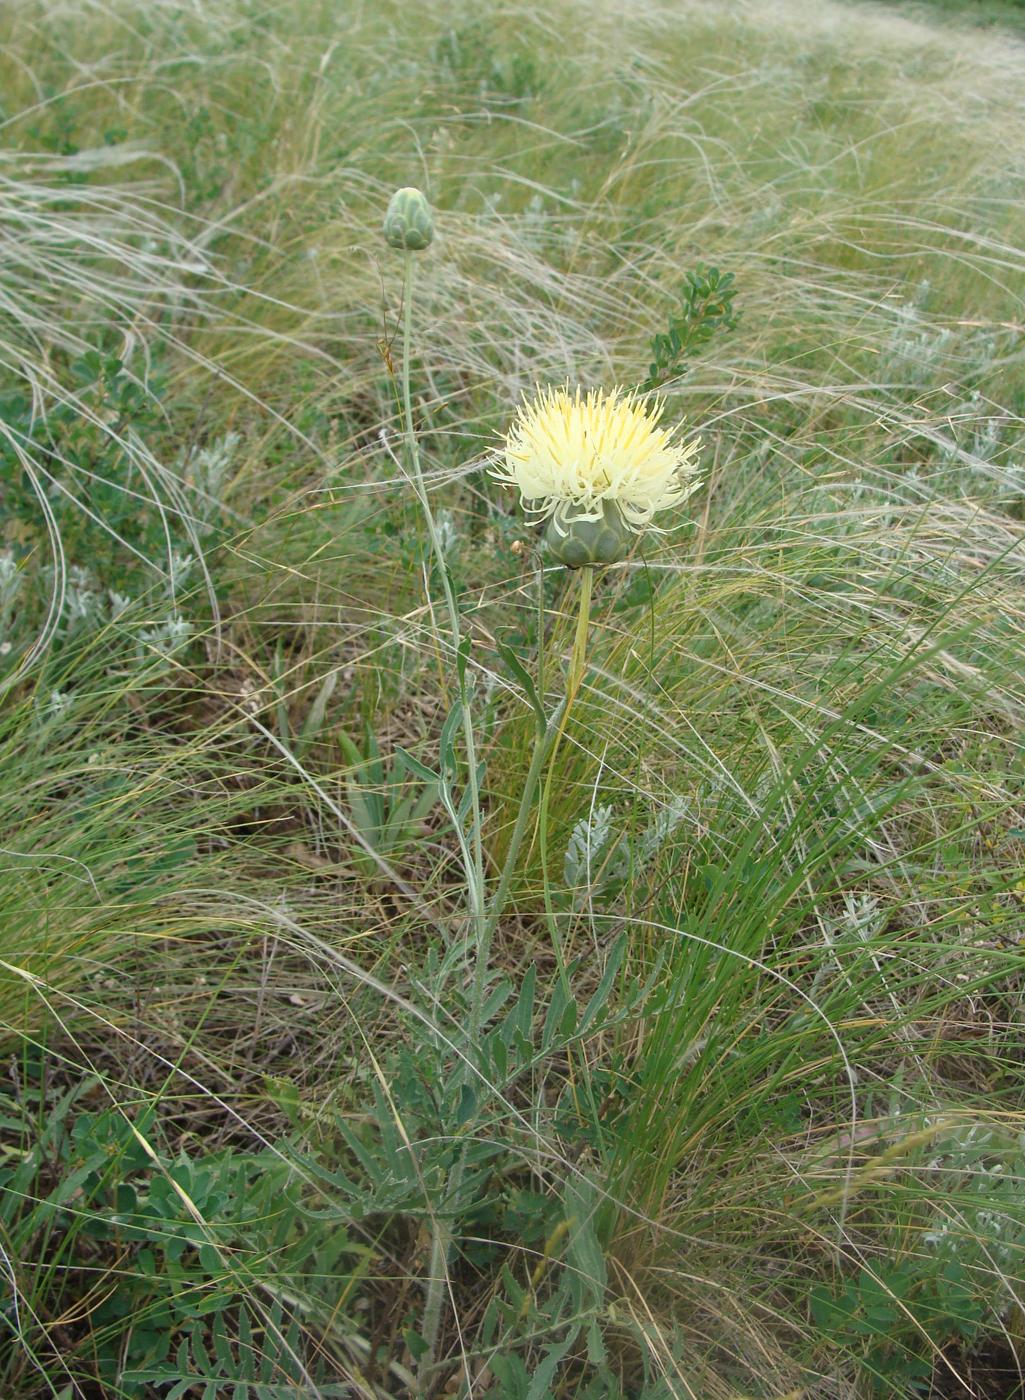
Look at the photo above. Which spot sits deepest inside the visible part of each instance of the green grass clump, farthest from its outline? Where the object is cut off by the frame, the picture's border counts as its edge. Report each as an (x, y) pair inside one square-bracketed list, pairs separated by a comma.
[(742, 1114)]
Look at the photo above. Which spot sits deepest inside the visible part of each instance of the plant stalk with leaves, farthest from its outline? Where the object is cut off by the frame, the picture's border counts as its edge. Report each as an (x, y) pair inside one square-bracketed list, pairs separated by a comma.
[(598, 467)]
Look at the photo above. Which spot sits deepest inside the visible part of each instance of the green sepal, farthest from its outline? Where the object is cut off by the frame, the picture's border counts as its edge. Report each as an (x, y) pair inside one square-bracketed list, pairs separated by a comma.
[(590, 542), (408, 224)]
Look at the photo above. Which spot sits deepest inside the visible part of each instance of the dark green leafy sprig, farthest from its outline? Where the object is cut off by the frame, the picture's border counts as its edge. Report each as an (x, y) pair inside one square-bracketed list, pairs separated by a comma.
[(706, 310)]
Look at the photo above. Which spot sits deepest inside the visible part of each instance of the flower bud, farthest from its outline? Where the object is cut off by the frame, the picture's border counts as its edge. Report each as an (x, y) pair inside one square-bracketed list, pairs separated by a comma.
[(408, 224), (590, 542)]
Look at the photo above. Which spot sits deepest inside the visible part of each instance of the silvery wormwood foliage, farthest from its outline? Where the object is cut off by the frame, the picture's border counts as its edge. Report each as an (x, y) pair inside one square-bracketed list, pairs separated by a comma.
[(87, 604), (206, 468), (10, 585), (983, 1169), (168, 636), (587, 841), (916, 345), (448, 533), (82, 600), (595, 859)]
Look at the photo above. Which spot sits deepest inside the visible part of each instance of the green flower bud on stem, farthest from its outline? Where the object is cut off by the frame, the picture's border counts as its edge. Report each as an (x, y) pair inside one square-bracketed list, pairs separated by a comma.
[(590, 542), (408, 224)]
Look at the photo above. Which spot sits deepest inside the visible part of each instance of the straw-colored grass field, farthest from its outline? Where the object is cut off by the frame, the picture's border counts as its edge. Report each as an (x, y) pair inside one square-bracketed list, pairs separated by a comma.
[(729, 1101)]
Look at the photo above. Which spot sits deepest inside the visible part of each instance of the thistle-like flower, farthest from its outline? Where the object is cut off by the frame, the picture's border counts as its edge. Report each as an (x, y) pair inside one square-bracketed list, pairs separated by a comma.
[(597, 467)]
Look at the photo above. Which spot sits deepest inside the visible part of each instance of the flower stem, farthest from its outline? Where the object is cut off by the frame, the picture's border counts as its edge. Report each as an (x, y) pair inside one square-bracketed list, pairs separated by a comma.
[(542, 746), (579, 653), (475, 865), (574, 677), (441, 1239), (546, 742)]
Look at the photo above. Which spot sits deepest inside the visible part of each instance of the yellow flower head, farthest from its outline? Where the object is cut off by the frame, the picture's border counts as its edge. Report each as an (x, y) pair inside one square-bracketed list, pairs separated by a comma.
[(572, 455)]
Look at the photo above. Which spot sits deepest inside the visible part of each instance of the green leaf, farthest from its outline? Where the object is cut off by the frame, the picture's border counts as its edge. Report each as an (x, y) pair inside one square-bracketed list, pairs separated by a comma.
[(462, 658), (560, 1022), (525, 679), (416, 1344), (541, 1381), (601, 993), (415, 766), (467, 1105), (314, 721)]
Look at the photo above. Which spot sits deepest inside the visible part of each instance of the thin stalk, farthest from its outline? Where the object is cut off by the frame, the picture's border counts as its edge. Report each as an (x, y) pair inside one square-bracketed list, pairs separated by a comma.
[(473, 858), (574, 677), (437, 1277), (546, 742), (579, 654), (475, 866), (543, 741), (544, 736), (575, 674)]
